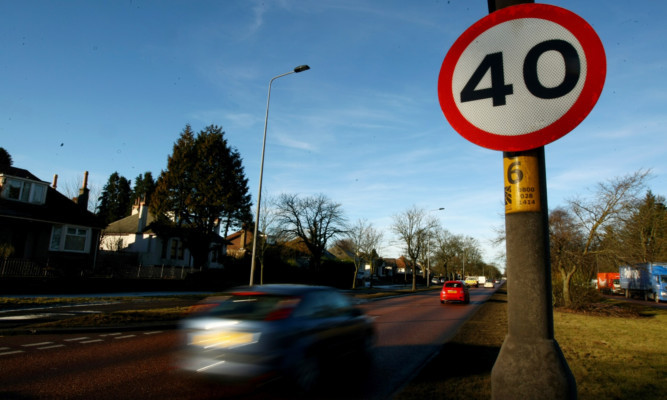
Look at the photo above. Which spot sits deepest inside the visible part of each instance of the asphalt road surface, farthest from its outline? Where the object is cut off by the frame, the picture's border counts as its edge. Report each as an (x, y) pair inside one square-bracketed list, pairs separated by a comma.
[(142, 364)]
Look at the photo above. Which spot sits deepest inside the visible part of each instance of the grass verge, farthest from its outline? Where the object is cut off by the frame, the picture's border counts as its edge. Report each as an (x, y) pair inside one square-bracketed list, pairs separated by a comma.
[(615, 351)]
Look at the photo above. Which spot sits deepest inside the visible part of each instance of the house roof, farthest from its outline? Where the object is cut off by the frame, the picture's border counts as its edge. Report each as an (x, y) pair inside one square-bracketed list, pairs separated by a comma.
[(57, 209), (20, 173), (341, 253), (129, 224)]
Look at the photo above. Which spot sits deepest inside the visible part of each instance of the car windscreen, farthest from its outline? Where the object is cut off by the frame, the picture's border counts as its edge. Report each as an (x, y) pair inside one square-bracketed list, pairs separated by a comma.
[(453, 284), (254, 307)]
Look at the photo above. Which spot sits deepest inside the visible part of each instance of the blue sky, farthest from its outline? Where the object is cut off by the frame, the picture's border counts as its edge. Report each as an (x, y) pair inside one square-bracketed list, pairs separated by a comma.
[(104, 86)]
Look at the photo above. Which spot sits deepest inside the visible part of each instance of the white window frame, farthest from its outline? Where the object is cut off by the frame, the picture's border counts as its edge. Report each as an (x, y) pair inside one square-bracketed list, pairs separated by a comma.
[(29, 191), (61, 233), (176, 249)]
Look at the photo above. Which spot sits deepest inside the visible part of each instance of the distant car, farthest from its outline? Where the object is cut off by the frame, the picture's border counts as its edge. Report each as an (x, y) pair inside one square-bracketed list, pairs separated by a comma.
[(488, 284), (471, 281), (292, 332), (455, 291)]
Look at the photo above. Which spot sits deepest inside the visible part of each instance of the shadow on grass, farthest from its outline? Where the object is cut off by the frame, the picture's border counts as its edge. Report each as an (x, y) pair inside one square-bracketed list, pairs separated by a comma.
[(460, 360)]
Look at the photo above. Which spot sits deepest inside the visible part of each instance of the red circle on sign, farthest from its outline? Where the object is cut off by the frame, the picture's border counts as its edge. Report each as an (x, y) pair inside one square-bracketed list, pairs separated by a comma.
[(592, 86)]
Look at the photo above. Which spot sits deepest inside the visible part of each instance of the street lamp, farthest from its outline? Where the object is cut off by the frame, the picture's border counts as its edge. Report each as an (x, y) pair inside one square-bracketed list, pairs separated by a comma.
[(298, 69), (428, 254)]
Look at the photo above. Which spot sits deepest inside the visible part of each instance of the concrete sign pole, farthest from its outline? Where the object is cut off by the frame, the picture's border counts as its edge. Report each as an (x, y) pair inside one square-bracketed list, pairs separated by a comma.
[(530, 365), (518, 79)]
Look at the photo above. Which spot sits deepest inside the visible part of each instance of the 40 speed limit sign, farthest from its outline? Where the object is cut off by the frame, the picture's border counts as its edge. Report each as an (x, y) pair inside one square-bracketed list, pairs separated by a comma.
[(522, 77)]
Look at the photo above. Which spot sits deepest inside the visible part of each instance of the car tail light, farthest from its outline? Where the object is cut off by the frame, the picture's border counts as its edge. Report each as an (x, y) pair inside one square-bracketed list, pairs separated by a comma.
[(283, 310), (279, 314)]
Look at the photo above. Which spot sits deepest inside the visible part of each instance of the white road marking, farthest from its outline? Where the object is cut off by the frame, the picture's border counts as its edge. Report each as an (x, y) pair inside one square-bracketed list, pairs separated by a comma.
[(51, 347), (36, 344), (152, 333), (77, 339), (92, 341), (11, 352), (125, 337)]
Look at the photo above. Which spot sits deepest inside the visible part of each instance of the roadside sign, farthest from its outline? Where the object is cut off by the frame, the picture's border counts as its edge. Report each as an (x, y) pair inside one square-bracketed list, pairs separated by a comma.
[(522, 77), (522, 182)]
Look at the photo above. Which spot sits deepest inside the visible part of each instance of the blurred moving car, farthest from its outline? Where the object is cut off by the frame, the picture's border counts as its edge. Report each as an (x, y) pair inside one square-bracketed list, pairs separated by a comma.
[(471, 281), (455, 291), (489, 284), (258, 333)]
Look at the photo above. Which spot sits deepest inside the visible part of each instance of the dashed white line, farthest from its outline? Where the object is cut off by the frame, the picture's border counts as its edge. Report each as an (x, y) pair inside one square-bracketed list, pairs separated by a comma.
[(51, 347), (92, 341), (152, 333), (125, 337), (36, 344), (77, 339), (11, 352)]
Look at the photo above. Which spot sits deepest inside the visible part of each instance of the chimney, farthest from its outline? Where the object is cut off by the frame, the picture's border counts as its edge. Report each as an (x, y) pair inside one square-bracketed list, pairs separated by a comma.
[(55, 181), (142, 210), (82, 200)]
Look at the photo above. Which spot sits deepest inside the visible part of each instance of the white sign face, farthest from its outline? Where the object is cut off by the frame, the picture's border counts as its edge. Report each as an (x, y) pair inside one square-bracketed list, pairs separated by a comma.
[(522, 77)]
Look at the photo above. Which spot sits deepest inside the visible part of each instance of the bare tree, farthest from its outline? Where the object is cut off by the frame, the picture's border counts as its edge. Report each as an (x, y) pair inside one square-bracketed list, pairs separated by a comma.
[(364, 240), (314, 220), (446, 249), (413, 228), (566, 248), (612, 204), (71, 191), (269, 231)]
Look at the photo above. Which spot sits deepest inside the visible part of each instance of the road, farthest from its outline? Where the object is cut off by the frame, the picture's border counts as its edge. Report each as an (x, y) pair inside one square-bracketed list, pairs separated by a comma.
[(141, 364)]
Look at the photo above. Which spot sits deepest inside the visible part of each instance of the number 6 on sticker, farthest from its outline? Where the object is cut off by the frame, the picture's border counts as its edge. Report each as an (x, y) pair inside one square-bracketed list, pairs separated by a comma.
[(522, 183)]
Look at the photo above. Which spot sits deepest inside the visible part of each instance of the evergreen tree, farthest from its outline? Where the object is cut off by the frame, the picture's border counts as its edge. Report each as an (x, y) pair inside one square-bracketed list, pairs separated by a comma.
[(644, 236), (204, 187), (5, 159), (144, 186), (114, 202)]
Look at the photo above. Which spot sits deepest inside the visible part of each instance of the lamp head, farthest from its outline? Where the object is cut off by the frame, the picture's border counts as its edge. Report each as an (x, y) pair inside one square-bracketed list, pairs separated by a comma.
[(301, 68)]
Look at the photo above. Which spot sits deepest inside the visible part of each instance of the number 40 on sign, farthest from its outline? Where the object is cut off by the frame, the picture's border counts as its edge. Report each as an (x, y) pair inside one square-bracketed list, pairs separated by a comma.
[(522, 77)]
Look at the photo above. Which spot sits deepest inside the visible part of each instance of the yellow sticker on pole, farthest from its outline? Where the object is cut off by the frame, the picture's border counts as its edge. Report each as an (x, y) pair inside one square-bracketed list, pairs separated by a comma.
[(522, 184)]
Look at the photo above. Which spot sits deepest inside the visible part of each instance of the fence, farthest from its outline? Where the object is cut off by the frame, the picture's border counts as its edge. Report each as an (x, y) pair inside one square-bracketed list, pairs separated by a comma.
[(153, 272), (16, 267), (20, 268)]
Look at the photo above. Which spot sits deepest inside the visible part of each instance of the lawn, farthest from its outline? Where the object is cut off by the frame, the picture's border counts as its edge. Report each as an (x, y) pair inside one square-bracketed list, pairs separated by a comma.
[(615, 351)]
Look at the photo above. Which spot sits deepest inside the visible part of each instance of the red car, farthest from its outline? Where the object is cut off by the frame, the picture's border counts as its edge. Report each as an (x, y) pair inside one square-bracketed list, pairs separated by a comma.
[(455, 291)]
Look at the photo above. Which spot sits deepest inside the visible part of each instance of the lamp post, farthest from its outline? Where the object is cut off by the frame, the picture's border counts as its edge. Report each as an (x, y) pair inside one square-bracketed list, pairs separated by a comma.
[(298, 69), (428, 254)]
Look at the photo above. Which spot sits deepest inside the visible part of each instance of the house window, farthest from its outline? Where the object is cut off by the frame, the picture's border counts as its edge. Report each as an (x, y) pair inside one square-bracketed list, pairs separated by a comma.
[(70, 238), (176, 250), (24, 191)]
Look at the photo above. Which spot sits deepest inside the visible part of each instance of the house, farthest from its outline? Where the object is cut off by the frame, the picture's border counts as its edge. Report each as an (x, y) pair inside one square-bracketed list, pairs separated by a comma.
[(130, 235), (41, 228), (239, 243)]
